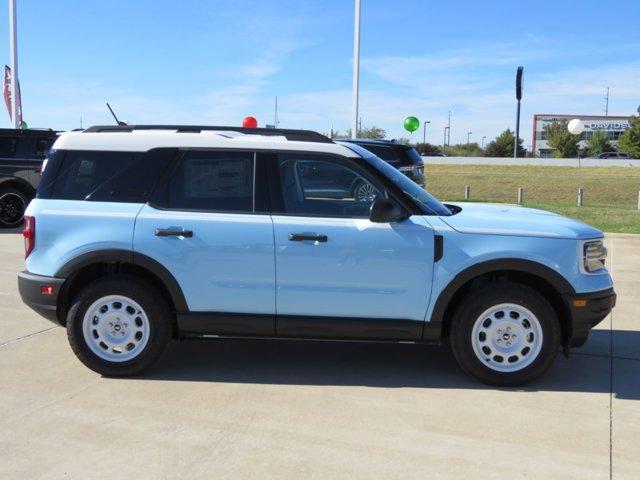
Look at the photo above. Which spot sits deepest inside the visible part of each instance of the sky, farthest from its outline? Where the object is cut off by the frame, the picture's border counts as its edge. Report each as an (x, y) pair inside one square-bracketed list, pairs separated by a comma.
[(215, 62)]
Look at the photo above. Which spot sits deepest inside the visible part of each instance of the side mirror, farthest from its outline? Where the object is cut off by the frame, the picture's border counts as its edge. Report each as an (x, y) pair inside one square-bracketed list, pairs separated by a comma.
[(384, 210)]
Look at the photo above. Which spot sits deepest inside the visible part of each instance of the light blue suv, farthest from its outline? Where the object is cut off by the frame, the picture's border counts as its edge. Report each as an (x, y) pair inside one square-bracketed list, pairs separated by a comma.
[(141, 234)]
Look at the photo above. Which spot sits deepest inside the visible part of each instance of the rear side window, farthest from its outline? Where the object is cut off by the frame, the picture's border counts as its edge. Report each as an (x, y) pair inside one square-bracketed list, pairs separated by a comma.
[(212, 181), (107, 176)]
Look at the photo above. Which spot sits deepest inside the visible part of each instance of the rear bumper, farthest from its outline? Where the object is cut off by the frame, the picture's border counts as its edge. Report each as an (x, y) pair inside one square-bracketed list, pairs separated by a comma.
[(30, 287), (597, 305)]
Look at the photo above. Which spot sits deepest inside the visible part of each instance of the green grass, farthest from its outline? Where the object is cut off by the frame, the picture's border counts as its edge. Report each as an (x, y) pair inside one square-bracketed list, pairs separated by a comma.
[(610, 193)]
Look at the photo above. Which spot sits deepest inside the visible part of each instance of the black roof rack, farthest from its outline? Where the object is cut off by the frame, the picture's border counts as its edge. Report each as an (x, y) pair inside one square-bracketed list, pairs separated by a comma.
[(29, 132), (293, 135)]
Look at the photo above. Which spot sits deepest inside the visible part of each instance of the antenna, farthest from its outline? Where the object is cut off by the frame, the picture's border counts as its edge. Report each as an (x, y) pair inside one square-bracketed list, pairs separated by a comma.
[(606, 105), (114, 115), (276, 122)]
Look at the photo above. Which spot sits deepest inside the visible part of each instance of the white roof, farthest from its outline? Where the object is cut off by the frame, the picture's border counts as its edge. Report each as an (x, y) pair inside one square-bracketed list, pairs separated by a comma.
[(143, 140)]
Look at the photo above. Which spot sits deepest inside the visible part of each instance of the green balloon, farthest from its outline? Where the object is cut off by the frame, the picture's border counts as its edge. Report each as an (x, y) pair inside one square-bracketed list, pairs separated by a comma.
[(411, 124), (24, 125)]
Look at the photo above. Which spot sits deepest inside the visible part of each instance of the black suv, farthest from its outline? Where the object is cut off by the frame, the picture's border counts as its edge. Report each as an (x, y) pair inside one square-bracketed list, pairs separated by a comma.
[(21, 156), (403, 157)]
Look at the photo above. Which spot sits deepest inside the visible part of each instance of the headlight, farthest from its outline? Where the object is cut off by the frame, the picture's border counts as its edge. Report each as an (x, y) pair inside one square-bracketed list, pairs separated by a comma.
[(593, 256)]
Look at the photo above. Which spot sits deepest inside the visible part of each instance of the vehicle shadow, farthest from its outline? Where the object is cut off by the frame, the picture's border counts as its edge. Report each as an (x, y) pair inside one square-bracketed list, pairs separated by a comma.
[(11, 230), (299, 362)]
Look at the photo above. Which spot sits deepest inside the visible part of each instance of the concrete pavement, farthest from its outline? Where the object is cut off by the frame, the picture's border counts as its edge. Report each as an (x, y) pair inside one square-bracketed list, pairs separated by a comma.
[(276, 409)]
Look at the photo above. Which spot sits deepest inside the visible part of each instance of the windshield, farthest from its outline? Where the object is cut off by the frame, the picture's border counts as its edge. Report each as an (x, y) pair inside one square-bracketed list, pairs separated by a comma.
[(431, 204)]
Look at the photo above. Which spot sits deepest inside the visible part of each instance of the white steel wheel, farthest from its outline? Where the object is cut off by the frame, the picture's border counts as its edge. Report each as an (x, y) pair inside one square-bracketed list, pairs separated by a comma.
[(507, 337), (116, 328)]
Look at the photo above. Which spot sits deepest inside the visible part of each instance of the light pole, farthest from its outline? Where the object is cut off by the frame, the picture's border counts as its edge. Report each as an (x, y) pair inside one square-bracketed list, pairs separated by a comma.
[(468, 135), (424, 131), (444, 142), (356, 72), (519, 74), (483, 142)]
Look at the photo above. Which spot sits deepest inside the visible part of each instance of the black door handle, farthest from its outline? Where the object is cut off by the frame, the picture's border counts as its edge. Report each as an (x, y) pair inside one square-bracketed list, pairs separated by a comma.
[(173, 232), (301, 237)]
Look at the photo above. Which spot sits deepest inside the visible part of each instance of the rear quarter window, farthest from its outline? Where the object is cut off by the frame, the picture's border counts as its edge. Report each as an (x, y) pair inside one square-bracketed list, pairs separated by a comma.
[(8, 147), (103, 176), (383, 152)]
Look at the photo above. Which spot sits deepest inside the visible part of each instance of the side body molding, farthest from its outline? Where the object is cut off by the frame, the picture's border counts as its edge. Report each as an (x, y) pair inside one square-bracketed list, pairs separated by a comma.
[(127, 256)]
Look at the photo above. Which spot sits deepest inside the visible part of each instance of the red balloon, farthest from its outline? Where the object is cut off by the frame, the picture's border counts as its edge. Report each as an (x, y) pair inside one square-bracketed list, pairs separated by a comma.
[(250, 122)]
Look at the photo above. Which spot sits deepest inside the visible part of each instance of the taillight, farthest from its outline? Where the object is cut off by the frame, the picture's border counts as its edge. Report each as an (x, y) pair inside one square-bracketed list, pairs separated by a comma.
[(29, 234)]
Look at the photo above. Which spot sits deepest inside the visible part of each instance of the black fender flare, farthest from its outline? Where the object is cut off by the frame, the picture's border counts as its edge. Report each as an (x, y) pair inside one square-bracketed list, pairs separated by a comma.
[(20, 184), (557, 281), (128, 256)]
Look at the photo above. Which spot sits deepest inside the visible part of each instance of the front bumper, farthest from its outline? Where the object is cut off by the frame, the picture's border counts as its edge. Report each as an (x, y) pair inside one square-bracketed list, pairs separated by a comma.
[(31, 291), (588, 310)]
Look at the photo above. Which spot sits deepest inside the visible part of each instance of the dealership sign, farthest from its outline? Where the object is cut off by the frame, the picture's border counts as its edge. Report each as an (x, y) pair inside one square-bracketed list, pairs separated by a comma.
[(613, 126), (589, 124)]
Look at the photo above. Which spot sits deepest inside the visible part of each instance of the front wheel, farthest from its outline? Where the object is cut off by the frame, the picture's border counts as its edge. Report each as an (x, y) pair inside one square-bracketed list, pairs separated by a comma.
[(505, 334), (118, 325), (364, 192)]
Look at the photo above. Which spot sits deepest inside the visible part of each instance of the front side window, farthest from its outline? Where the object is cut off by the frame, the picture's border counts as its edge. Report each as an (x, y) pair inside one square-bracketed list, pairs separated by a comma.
[(322, 186), (212, 181)]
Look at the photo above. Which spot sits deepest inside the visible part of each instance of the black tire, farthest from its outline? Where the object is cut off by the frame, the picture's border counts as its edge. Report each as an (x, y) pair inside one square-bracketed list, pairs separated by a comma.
[(479, 301), (13, 203), (157, 312)]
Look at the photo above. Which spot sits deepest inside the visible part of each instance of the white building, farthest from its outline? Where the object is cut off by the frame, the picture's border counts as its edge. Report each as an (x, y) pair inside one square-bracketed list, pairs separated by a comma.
[(614, 126)]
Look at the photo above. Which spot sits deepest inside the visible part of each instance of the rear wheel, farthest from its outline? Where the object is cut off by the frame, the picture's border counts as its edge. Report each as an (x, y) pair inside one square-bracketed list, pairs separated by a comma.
[(505, 334), (12, 206), (118, 326)]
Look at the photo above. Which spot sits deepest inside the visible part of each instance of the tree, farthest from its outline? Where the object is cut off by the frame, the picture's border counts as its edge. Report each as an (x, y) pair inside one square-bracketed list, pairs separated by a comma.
[(502, 146), (465, 150), (372, 132), (598, 143), (564, 143), (629, 141), (427, 148), (367, 132)]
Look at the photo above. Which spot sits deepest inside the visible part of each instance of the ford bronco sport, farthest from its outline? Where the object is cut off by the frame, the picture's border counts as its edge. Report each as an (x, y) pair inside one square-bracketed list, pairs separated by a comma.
[(141, 234)]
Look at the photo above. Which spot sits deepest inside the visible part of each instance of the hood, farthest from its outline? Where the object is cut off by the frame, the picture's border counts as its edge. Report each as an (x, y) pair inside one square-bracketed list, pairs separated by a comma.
[(496, 219)]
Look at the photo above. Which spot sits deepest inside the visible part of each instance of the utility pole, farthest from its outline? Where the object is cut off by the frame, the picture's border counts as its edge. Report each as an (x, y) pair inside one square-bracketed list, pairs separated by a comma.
[(482, 147), (275, 116), (449, 130), (356, 72), (424, 131), (13, 47), (468, 135), (606, 105)]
